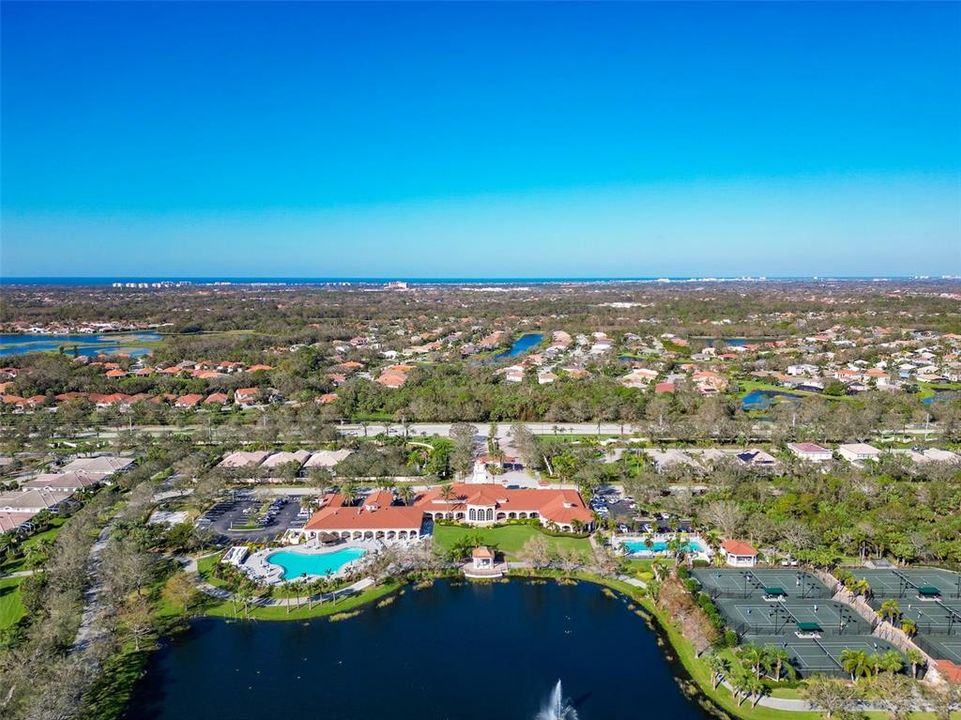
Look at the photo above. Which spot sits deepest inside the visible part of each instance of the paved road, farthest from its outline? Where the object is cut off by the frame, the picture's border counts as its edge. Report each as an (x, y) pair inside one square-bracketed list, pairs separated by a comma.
[(88, 630)]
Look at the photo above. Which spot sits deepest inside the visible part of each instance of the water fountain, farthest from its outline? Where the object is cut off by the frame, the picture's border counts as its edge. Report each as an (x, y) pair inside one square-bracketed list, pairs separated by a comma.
[(557, 708)]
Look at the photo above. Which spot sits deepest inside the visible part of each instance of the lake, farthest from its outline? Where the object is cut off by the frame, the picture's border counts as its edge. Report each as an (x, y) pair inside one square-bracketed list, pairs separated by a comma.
[(467, 652), (88, 345), (763, 399), (733, 341), (521, 345)]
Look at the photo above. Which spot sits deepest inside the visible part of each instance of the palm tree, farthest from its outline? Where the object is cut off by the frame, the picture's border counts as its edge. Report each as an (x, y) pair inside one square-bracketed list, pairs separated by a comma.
[(909, 627), (406, 494), (890, 610), (348, 491), (777, 659), (855, 662), (719, 666), (916, 658), (753, 656), (891, 662), (756, 689), (447, 494), (742, 684)]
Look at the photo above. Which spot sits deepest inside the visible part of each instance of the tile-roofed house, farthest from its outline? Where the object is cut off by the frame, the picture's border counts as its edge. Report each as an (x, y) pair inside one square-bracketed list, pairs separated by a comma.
[(279, 459), (243, 459), (62, 482), (34, 500), (188, 401), (10, 521), (326, 458), (810, 451), (101, 466), (246, 396)]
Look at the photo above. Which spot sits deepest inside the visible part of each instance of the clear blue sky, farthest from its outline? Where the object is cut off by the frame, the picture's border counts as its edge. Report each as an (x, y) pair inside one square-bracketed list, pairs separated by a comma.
[(314, 139)]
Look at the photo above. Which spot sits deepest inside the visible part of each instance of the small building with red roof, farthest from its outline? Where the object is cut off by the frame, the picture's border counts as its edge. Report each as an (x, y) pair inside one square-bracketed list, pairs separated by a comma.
[(738, 553)]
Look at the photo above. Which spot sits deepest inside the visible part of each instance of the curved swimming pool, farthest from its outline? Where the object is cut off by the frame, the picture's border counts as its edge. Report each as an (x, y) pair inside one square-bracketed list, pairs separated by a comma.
[(297, 564)]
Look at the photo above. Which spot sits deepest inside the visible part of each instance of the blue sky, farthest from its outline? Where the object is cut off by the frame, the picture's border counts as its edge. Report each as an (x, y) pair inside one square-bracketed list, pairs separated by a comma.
[(190, 139)]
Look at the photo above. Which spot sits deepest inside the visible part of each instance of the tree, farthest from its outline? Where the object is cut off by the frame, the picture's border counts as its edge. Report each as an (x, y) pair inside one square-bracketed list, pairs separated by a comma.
[(726, 515), (180, 591), (719, 667), (752, 656), (890, 610), (134, 617), (536, 551), (406, 493), (462, 457), (916, 659), (832, 697), (855, 662), (896, 694), (777, 660)]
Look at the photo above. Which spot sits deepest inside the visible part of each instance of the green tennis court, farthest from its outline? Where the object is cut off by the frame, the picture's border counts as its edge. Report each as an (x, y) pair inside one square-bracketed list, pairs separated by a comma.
[(749, 618), (758, 582), (945, 647), (909, 582), (823, 655)]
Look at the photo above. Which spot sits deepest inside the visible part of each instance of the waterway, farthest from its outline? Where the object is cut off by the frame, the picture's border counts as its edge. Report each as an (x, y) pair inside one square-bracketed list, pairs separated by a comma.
[(520, 346), (87, 345), (450, 652)]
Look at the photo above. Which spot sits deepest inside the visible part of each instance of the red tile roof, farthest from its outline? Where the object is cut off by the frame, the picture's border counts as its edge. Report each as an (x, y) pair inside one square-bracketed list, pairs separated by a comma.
[(738, 547)]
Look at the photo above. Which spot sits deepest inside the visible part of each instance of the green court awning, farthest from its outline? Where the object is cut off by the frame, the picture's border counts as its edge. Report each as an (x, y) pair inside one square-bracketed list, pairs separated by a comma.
[(774, 591), (808, 627), (928, 591)]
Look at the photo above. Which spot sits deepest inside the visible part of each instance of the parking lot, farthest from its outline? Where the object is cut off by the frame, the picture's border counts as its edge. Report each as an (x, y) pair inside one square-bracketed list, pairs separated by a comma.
[(253, 519)]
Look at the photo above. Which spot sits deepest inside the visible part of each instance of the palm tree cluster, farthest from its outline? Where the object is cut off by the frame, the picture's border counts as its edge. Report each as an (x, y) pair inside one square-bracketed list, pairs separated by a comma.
[(859, 663)]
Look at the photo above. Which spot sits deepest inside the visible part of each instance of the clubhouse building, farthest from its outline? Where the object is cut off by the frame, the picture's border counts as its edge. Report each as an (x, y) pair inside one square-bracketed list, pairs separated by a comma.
[(376, 517)]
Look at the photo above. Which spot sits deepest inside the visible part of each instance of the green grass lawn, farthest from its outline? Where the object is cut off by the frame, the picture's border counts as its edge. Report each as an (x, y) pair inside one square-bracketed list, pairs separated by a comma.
[(11, 609), (48, 534), (508, 539)]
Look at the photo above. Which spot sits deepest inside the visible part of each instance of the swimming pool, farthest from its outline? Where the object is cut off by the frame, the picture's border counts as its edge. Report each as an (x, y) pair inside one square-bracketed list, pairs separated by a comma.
[(639, 547), (296, 564)]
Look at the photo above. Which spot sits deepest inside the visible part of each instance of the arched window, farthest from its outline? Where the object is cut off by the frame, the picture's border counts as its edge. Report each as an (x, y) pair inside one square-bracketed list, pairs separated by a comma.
[(471, 514), (490, 513)]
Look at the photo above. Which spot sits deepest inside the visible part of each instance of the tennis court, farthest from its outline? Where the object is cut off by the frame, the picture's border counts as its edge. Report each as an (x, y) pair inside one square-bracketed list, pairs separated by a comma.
[(823, 617), (758, 582), (931, 617), (908, 582), (822, 656), (945, 647)]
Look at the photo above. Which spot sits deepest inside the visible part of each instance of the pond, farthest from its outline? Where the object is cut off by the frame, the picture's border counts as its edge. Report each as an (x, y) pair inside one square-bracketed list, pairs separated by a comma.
[(941, 395), (521, 345), (763, 399), (465, 652), (87, 345)]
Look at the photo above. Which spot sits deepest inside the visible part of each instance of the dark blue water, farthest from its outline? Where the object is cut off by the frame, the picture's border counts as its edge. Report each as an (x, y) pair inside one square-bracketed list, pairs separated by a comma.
[(473, 652), (520, 346), (763, 399), (97, 344)]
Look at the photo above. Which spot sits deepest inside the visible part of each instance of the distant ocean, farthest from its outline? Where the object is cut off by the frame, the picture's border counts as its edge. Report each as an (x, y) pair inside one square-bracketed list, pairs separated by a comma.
[(378, 281)]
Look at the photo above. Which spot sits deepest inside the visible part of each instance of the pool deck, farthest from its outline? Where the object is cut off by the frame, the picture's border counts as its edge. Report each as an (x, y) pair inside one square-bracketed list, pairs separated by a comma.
[(259, 568)]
